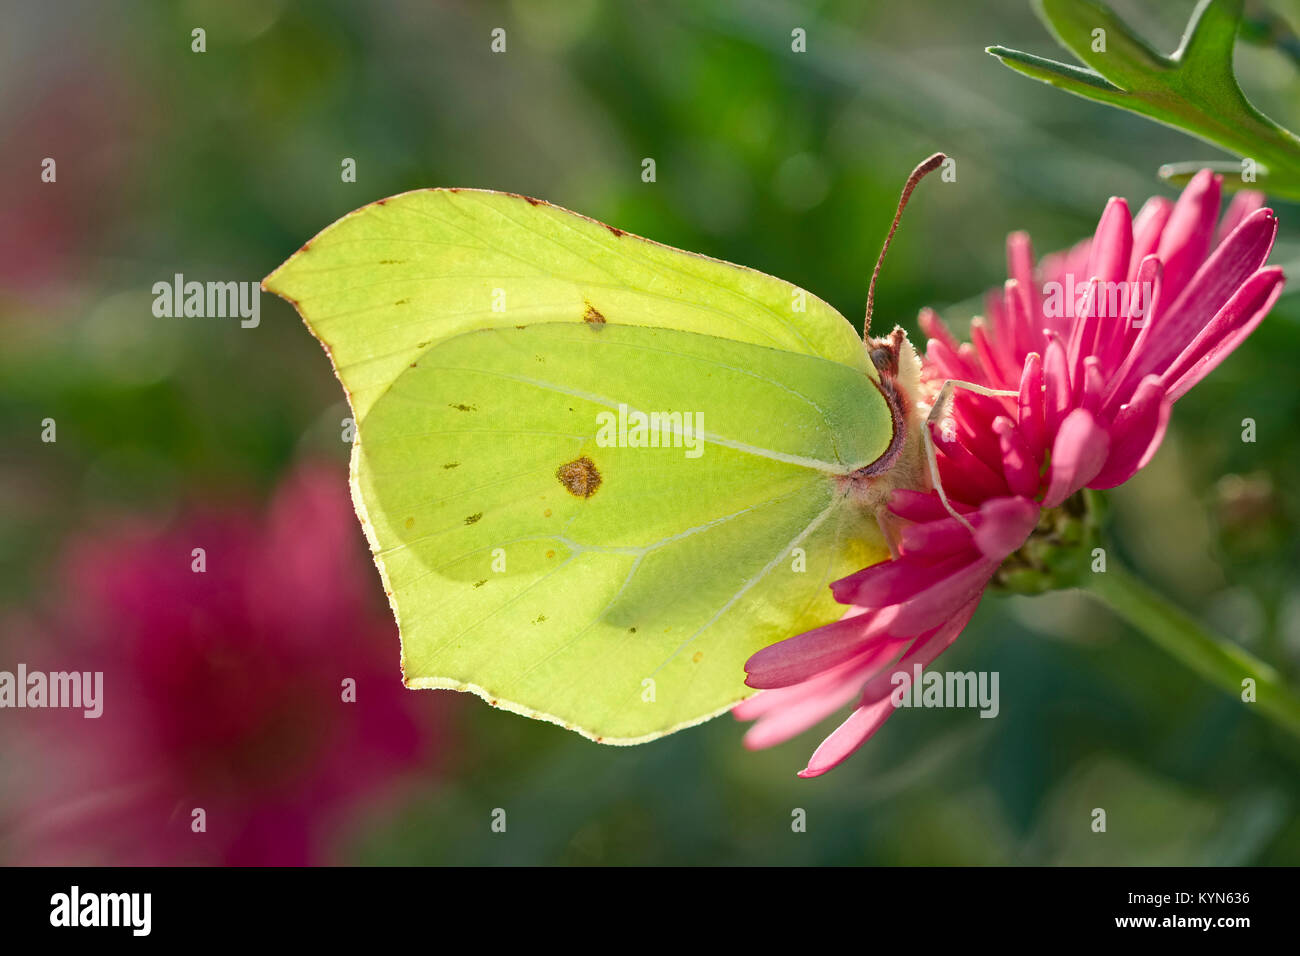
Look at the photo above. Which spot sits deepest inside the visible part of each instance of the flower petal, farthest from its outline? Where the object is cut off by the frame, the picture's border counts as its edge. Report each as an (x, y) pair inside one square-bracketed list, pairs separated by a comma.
[(1078, 454), (1244, 202), (1148, 226), (1190, 230), (891, 582), (848, 737), (1006, 523), (1135, 434), (1019, 466), (922, 651), (1030, 412), (787, 711), (1057, 388), (803, 656), (1112, 245), (1175, 327), (1236, 320), (937, 603)]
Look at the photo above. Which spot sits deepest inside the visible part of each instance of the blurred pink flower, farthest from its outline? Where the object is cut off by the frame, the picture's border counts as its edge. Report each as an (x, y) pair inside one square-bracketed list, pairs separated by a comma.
[(1098, 344), (223, 690)]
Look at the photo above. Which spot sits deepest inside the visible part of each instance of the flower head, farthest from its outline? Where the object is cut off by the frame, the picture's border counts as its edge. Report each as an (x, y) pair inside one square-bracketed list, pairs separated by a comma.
[(1097, 343), (225, 689)]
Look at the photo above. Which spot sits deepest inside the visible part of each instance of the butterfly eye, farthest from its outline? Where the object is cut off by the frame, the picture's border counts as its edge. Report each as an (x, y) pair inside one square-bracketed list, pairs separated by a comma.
[(884, 359)]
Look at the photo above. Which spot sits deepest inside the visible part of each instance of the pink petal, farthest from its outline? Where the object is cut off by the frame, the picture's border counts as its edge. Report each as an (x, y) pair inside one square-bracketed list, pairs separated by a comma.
[(1058, 391), (1093, 391), (922, 651), (1112, 245), (1135, 434), (1019, 465), (965, 476), (890, 582), (935, 328), (993, 359), (1030, 414), (1078, 454), (1020, 267), (934, 605), (848, 737), (1006, 524), (783, 713), (1226, 331), (939, 538), (1243, 204), (1147, 228), (1020, 330), (1177, 326), (1083, 335), (875, 708), (803, 656), (1189, 231), (943, 362)]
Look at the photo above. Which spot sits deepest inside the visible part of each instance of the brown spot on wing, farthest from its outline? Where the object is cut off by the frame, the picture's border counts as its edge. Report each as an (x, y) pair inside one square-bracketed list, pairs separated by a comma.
[(618, 233), (580, 477), (593, 317), (473, 518), (464, 408)]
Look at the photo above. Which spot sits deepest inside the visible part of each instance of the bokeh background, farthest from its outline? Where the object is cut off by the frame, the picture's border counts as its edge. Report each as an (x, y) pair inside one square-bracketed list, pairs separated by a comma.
[(177, 433)]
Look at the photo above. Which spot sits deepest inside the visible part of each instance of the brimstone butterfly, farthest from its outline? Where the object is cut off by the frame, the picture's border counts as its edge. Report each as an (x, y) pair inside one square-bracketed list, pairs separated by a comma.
[(598, 473)]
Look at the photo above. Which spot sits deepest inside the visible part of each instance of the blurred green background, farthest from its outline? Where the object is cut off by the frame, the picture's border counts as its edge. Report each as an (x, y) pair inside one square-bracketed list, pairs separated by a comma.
[(221, 164)]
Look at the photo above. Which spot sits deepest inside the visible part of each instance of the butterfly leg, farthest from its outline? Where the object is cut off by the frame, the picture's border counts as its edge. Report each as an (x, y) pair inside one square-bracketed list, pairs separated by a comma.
[(938, 412)]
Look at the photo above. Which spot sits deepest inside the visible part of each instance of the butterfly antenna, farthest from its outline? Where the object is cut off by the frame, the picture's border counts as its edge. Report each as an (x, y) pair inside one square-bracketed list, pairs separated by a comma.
[(929, 166)]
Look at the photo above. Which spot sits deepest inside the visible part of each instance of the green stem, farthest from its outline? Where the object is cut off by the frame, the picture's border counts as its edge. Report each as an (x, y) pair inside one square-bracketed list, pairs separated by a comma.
[(1217, 660)]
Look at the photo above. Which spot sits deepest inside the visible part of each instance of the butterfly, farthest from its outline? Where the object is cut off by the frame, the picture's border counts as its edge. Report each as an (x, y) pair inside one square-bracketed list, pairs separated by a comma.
[(598, 473)]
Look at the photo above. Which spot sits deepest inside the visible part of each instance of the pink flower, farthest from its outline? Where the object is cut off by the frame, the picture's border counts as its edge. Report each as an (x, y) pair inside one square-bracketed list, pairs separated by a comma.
[(222, 691), (1097, 345)]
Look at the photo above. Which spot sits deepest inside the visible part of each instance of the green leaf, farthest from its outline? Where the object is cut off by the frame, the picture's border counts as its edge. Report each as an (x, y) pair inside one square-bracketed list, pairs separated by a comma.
[(614, 589), (1194, 89)]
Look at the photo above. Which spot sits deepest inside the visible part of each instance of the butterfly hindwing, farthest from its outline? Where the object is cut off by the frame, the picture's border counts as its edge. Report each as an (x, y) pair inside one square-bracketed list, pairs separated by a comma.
[(539, 549)]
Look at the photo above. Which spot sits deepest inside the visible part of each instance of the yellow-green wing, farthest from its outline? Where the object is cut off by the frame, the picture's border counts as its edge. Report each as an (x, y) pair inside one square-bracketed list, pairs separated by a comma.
[(540, 551), (388, 280), (612, 588)]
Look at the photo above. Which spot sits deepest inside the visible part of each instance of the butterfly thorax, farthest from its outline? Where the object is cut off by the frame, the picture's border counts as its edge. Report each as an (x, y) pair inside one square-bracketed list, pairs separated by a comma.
[(902, 464)]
